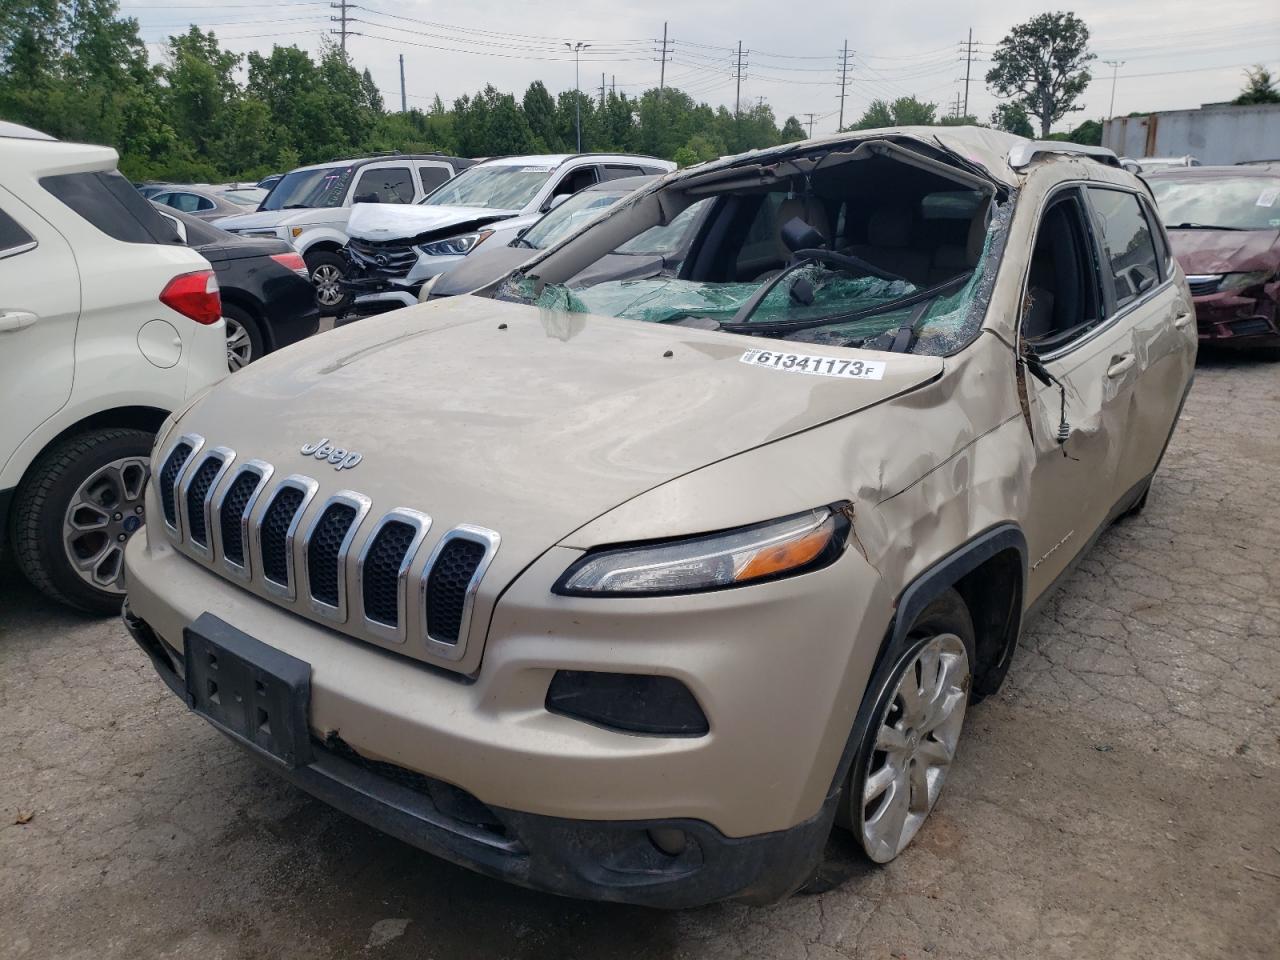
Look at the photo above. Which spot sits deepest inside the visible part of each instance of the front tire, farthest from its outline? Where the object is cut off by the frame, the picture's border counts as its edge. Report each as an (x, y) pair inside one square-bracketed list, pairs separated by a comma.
[(911, 729), (327, 273), (80, 504)]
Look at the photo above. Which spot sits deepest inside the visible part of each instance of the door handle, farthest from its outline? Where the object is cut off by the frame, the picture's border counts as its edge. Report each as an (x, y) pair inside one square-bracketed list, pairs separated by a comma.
[(1121, 365), (16, 320), (1182, 321)]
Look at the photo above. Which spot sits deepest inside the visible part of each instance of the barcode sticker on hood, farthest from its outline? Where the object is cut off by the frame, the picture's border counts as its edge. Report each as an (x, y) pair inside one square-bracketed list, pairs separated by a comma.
[(1268, 198), (818, 366)]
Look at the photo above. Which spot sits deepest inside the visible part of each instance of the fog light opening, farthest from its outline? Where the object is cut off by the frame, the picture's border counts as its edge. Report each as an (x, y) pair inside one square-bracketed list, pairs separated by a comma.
[(669, 840)]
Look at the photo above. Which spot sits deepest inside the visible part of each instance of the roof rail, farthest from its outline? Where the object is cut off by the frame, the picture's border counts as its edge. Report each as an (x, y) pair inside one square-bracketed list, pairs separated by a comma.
[(366, 156), (1022, 154)]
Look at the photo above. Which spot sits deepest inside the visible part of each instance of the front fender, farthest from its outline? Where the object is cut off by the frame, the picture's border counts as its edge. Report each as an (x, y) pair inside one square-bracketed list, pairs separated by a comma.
[(319, 237)]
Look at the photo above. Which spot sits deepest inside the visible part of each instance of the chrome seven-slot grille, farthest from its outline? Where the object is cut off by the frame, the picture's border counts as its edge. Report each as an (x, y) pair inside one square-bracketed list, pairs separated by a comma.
[(210, 505)]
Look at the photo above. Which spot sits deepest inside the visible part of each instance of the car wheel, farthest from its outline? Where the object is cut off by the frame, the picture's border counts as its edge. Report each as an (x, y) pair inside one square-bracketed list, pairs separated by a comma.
[(912, 728), (73, 515), (244, 337), (327, 272)]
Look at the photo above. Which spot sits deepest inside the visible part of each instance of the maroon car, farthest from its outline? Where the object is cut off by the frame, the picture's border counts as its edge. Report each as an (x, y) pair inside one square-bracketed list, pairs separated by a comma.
[(1224, 225)]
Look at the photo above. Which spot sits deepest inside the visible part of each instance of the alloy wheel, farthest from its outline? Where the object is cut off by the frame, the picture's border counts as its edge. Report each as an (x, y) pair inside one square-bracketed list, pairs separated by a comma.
[(106, 510), (239, 344), (916, 736), (328, 281)]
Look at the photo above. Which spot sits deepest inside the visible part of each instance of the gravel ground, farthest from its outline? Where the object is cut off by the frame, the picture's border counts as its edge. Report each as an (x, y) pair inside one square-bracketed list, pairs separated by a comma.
[(1119, 798)]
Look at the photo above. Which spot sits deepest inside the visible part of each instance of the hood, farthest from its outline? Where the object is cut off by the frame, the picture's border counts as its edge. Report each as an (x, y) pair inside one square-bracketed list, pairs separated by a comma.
[(525, 421), (398, 221), (268, 219), (1225, 251)]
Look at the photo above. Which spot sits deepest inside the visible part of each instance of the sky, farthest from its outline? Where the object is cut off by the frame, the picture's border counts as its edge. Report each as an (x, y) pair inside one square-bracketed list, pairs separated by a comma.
[(1172, 54)]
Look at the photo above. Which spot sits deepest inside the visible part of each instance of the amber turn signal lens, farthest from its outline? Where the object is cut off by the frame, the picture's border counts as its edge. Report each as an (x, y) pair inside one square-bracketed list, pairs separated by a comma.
[(781, 557)]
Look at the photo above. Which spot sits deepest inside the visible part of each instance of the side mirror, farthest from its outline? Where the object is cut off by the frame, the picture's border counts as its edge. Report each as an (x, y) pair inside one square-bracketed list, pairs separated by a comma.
[(555, 201), (365, 198), (522, 231)]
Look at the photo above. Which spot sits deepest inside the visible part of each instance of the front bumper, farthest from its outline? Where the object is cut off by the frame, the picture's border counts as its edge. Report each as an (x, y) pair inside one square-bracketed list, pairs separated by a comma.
[(1230, 320), (619, 861)]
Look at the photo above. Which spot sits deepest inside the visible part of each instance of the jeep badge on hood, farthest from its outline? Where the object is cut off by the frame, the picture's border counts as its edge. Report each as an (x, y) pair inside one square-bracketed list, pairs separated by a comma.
[(322, 449)]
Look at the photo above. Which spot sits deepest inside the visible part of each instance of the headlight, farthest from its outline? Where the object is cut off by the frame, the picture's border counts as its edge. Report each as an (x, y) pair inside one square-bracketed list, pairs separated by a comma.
[(457, 246), (764, 551), (1239, 281)]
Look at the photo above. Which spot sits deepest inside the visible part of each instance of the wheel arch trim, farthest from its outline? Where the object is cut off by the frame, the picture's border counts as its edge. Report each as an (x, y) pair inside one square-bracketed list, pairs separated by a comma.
[(944, 574)]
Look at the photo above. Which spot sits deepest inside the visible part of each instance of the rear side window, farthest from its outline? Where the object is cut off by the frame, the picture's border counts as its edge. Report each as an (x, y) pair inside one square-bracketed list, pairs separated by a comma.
[(617, 171), (13, 239), (1133, 267), (432, 177), (109, 202), (384, 185)]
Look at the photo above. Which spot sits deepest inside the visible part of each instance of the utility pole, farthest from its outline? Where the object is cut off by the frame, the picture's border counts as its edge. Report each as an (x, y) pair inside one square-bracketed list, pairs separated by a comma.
[(577, 49), (341, 19), (613, 83), (759, 102), (810, 116), (844, 79), (601, 89), (968, 62), (737, 95), (1115, 66), (404, 101), (666, 49)]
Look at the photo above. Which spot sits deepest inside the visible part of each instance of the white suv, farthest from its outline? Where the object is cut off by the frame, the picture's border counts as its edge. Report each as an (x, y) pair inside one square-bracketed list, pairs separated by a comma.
[(107, 325), (393, 250), (309, 208)]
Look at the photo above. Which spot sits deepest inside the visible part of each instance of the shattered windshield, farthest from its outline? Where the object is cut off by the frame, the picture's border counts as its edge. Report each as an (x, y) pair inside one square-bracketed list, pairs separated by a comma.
[(877, 254)]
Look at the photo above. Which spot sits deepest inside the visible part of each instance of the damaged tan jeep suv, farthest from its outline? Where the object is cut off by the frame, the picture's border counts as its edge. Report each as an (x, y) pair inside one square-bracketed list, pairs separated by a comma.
[(631, 575)]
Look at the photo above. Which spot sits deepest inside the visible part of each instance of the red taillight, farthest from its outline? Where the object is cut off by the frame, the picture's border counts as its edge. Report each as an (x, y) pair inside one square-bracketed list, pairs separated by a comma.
[(292, 261), (194, 295)]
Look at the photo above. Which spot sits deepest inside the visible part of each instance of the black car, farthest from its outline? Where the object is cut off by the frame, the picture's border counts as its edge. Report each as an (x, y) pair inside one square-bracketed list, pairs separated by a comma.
[(268, 301)]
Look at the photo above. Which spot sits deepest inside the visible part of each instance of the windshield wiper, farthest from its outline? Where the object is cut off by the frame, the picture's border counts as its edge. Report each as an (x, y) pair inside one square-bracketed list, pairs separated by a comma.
[(296, 206), (1202, 226)]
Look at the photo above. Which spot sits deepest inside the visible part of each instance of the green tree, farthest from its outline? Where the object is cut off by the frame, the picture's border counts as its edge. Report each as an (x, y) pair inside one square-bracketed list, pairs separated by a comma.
[(792, 131), (1043, 66), (540, 113), (1012, 118), (201, 87), (967, 120), (902, 112), (1259, 87), (1089, 133)]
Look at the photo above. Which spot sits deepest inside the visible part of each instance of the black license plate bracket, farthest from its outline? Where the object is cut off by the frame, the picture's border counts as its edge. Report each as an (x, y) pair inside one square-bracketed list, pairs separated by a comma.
[(252, 691)]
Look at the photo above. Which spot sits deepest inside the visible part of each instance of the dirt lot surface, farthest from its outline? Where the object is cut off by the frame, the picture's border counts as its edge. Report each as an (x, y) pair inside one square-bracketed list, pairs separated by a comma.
[(1120, 797)]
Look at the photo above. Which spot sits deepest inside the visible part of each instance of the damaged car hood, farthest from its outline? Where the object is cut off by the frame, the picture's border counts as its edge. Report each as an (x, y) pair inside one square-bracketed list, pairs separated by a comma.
[(398, 221), (1225, 251), (525, 421)]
